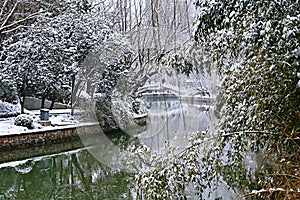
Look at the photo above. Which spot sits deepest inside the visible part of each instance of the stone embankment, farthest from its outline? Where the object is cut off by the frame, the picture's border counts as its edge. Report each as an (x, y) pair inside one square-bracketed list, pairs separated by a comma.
[(47, 136)]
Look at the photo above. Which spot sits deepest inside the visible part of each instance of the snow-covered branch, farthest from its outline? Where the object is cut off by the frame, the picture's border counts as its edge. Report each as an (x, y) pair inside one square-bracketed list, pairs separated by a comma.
[(245, 133), (31, 16), (3, 7), (270, 190), (9, 15)]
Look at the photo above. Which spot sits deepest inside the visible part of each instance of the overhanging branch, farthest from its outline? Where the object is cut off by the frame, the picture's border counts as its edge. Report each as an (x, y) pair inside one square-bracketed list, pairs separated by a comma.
[(31, 16)]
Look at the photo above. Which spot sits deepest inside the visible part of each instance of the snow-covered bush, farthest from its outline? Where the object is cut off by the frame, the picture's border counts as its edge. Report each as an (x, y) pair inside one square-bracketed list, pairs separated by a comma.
[(24, 120), (255, 44), (256, 47), (62, 118), (8, 109), (111, 76)]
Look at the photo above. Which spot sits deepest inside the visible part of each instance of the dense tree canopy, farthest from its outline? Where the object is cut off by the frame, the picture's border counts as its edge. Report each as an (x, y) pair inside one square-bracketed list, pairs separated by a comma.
[(43, 57)]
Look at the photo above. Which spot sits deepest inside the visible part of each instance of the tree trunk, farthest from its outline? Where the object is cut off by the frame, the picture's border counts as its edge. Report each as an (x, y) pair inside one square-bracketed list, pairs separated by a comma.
[(72, 94), (52, 104), (43, 101), (22, 102)]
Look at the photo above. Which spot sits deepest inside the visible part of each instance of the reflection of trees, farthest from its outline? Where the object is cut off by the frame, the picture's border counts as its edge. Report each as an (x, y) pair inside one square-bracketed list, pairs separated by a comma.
[(75, 176)]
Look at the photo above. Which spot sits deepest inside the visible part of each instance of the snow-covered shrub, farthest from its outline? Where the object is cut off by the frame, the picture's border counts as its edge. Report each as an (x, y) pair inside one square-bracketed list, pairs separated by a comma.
[(8, 109), (24, 120), (256, 47), (110, 78), (172, 173)]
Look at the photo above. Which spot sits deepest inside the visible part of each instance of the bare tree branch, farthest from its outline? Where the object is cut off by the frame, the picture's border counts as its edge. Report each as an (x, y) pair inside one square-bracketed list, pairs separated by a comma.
[(9, 15), (3, 7), (31, 16)]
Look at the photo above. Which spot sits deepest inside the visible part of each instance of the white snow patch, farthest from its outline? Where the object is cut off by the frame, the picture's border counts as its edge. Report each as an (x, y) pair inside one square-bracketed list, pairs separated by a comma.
[(8, 127), (63, 119)]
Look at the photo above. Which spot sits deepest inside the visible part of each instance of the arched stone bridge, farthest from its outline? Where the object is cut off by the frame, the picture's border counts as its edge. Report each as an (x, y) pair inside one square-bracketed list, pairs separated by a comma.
[(156, 89)]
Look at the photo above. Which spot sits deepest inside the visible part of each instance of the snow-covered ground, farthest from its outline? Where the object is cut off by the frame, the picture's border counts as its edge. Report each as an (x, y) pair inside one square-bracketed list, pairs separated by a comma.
[(57, 118), (7, 126)]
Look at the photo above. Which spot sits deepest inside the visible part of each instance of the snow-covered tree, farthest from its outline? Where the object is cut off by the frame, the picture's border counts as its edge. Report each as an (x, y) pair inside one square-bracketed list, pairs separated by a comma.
[(48, 54), (100, 72), (256, 47), (21, 76), (17, 14), (154, 28)]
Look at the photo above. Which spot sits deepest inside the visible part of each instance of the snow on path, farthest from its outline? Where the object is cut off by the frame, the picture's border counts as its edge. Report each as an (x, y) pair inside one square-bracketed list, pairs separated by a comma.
[(60, 119)]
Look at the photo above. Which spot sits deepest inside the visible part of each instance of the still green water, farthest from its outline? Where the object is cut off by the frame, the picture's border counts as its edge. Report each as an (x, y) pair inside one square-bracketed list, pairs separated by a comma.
[(72, 174)]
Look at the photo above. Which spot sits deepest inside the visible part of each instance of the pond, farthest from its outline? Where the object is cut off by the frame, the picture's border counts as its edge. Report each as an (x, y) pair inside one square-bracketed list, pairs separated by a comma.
[(74, 174), (72, 171), (172, 120)]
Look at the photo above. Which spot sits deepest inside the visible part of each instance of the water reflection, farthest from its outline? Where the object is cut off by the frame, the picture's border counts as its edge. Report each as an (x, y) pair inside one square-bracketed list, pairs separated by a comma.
[(71, 175), (77, 174), (172, 120), (21, 154)]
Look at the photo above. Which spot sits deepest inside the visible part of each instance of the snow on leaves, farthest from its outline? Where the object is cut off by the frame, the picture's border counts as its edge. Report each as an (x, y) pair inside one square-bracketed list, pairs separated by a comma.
[(45, 56), (255, 44)]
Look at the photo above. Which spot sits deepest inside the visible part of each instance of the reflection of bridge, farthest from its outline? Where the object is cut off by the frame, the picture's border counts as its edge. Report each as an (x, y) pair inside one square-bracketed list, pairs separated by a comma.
[(158, 89)]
